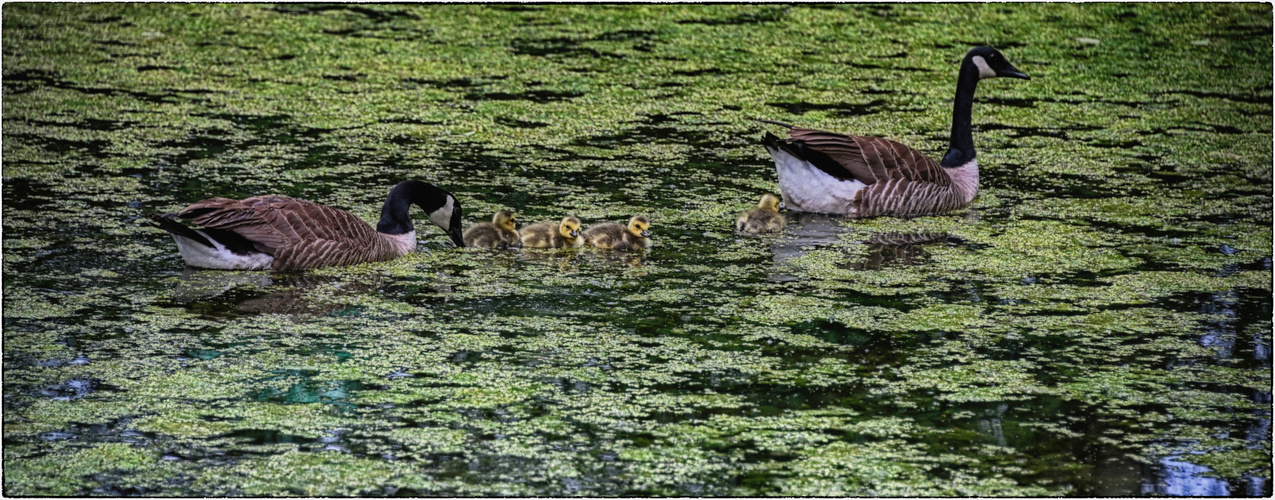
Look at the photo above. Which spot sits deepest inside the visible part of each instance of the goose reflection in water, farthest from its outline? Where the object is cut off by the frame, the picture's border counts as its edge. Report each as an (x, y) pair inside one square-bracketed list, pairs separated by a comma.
[(565, 260), (808, 231), (242, 292)]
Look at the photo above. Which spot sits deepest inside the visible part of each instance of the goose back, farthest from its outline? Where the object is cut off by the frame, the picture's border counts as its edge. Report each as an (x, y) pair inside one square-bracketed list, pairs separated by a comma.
[(298, 233), (897, 179)]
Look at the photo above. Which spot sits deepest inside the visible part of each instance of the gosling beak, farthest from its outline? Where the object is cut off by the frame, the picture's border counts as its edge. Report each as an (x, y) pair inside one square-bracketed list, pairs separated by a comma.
[(782, 206), (575, 234), (646, 233)]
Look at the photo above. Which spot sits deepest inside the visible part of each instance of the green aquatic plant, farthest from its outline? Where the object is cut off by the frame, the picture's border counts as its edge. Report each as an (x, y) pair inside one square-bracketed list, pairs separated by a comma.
[(1102, 305)]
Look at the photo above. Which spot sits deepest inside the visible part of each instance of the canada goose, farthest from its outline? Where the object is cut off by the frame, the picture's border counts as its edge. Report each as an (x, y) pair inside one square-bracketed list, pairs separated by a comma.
[(565, 234), (868, 176), (287, 234), (500, 232), (612, 236), (763, 219)]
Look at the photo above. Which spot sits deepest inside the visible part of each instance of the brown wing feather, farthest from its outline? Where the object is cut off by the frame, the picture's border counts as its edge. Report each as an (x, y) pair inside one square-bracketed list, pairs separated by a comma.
[(872, 159), (298, 233)]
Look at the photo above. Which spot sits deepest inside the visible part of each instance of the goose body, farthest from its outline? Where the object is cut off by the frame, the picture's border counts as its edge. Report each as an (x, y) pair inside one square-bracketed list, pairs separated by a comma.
[(289, 234), (858, 176), (613, 236), (763, 219), (502, 231), (565, 234)]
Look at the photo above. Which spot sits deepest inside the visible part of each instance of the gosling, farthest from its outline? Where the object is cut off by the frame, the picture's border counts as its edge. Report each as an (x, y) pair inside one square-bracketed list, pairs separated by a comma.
[(545, 235), (500, 232), (763, 219), (612, 236)]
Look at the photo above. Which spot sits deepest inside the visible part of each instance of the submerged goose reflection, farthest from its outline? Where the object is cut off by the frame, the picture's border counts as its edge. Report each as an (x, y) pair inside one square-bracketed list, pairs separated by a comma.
[(257, 292), (566, 260), (901, 248), (807, 231)]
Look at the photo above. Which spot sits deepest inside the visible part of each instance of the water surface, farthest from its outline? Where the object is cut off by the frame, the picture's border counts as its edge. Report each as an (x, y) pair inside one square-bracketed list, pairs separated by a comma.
[(1097, 322)]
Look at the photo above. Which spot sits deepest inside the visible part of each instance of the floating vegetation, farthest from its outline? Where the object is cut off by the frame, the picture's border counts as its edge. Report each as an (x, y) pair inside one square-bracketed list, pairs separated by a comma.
[(1096, 323)]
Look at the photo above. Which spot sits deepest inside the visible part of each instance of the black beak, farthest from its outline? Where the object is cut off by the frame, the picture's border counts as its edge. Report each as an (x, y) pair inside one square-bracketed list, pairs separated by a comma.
[(646, 234), (455, 235), (1012, 72), (575, 234)]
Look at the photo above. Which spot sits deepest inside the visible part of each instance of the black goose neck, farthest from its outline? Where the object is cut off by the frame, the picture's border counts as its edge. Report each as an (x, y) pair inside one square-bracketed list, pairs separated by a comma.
[(961, 148), (395, 216)]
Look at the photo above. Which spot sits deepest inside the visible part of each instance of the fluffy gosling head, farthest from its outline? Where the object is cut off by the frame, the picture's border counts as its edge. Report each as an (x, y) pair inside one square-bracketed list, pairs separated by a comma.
[(769, 202), (569, 228), (505, 219), (640, 227)]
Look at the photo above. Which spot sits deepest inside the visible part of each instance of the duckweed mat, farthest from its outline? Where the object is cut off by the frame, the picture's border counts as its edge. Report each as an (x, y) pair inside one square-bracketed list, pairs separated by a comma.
[(1097, 322)]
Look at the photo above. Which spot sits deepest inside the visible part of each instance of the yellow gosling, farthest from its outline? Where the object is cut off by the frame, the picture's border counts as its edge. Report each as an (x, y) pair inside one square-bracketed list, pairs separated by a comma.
[(545, 235), (612, 236), (763, 219), (500, 232)]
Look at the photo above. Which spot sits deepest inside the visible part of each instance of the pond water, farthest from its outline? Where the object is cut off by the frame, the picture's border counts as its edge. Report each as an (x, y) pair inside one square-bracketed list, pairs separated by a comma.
[(1097, 322)]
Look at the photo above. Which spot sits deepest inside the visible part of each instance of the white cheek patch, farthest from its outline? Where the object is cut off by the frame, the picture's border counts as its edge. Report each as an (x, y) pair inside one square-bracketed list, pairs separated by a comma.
[(443, 216), (984, 71)]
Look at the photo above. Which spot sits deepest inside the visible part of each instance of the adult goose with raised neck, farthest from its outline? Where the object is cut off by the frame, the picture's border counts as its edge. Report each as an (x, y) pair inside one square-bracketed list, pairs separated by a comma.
[(288, 234), (860, 176)]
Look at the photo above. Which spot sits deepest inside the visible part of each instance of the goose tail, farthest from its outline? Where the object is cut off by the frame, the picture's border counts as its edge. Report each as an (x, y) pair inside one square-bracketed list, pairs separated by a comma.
[(166, 222)]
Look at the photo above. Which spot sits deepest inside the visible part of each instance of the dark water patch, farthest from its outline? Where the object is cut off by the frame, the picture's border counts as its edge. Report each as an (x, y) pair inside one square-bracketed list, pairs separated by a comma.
[(154, 67), (224, 304), (92, 147), (259, 437), (890, 68), (376, 15), (114, 43), (73, 389), (625, 35), (701, 72), (23, 81), (537, 96), (1017, 177), (306, 391), (1242, 32), (768, 15), (1252, 99), (1201, 127), (558, 48), (22, 194), (413, 121), (1004, 45), (104, 20), (880, 91), (663, 128), (348, 77), (897, 55), (844, 109), (1114, 144), (899, 249), (1020, 132), (517, 7)]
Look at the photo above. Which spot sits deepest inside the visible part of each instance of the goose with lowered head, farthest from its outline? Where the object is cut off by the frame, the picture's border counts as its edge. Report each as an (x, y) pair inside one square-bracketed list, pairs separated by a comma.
[(288, 234)]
